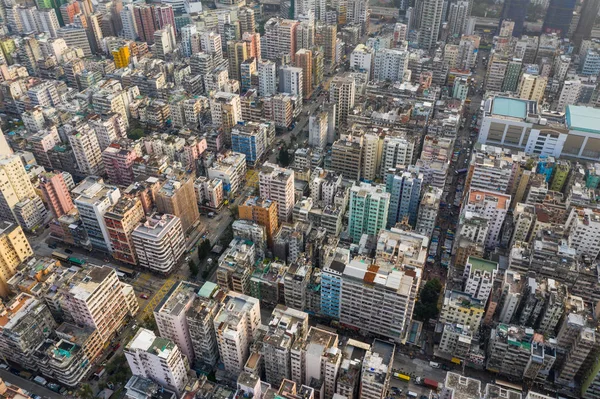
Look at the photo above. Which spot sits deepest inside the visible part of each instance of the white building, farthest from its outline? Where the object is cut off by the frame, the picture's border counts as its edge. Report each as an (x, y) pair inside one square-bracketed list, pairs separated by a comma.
[(100, 301), (93, 198), (317, 130), (569, 94), (277, 184), (479, 278), (170, 316), (490, 206), (390, 64), (267, 78), (235, 326), (361, 59), (290, 81), (317, 357), (583, 225), (377, 370), (231, 170), (159, 243), (397, 151), (87, 150), (187, 32), (157, 359)]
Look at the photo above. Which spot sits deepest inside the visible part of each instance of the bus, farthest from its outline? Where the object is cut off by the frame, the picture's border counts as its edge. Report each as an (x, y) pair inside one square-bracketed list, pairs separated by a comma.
[(127, 271), (76, 261), (510, 385), (60, 256), (461, 171), (402, 376)]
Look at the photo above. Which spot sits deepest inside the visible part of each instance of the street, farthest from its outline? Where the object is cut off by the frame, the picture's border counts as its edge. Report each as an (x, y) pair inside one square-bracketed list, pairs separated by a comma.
[(29, 386)]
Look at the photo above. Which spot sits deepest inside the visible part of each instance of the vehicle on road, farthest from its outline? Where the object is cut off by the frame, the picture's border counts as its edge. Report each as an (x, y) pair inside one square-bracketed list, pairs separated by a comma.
[(40, 380), (433, 384), (412, 394), (60, 256), (68, 251), (53, 387), (403, 377), (434, 365), (144, 296)]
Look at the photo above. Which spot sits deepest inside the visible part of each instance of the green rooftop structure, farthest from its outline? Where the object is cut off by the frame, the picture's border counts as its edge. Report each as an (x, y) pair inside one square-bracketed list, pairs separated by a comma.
[(511, 107), (583, 119)]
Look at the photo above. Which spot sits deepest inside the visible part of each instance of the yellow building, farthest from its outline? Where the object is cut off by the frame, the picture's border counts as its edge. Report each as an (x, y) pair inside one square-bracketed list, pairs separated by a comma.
[(14, 249), (7, 46), (121, 57), (263, 212)]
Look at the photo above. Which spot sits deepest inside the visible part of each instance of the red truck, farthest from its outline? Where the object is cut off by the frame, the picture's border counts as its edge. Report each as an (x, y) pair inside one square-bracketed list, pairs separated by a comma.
[(433, 384)]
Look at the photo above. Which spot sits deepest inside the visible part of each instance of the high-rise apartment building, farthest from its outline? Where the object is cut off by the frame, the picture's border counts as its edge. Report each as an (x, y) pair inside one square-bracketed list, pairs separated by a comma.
[(342, 91), (479, 278), (157, 359), (87, 151), (200, 317), (558, 17), (27, 323), (55, 193), (317, 357), (145, 23), (291, 81), (118, 163), (171, 320), (405, 193), (159, 243), (92, 199), (279, 39), (235, 325), (513, 10), (120, 220), (430, 22), (369, 205), (262, 211), (226, 111), (14, 250), (390, 64), (98, 300), (325, 36), (177, 196), (267, 78), (376, 370), (532, 87), (18, 200), (304, 60), (277, 184)]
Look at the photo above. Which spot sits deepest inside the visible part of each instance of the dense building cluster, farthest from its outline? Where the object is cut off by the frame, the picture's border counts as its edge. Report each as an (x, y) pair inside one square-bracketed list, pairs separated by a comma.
[(300, 199)]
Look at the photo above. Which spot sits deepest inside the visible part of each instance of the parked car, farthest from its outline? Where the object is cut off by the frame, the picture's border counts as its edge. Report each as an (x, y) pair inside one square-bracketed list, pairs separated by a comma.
[(144, 296), (68, 251)]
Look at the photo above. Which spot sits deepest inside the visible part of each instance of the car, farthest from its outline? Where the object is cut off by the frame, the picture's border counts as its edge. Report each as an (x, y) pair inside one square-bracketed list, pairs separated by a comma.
[(68, 251), (143, 296), (52, 246), (47, 226)]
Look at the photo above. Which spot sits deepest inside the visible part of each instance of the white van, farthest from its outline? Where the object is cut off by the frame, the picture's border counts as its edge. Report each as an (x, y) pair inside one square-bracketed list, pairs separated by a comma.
[(434, 365)]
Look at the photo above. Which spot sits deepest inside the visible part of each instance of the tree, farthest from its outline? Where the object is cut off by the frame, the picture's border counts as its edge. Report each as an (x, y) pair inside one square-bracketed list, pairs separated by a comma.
[(284, 157), (193, 268), (149, 323), (426, 307), (85, 392), (204, 249)]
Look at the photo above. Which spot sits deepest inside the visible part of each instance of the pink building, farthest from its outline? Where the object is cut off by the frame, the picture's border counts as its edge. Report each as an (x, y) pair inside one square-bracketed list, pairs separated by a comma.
[(56, 194), (118, 163)]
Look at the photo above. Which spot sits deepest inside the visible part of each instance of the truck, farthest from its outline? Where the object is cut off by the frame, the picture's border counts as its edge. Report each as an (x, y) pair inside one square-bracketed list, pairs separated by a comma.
[(40, 380), (433, 384)]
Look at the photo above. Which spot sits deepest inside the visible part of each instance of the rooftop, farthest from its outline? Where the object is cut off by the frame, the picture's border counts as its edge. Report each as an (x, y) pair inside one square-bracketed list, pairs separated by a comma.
[(584, 119), (463, 387), (482, 264), (176, 301), (512, 107)]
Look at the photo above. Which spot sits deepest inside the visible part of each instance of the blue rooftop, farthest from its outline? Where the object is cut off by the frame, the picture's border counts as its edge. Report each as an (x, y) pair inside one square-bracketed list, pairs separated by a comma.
[(512, 107), (583, 119)]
